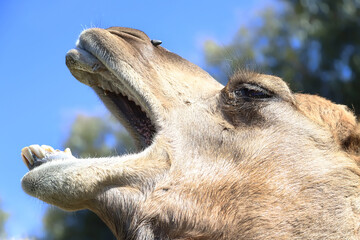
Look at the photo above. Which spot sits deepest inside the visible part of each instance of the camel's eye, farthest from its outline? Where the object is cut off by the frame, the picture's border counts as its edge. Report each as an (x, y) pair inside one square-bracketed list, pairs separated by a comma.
[(249, 92)]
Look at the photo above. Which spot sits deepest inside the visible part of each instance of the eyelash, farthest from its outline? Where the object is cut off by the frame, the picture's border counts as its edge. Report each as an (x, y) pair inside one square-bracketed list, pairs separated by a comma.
[(252, 92)]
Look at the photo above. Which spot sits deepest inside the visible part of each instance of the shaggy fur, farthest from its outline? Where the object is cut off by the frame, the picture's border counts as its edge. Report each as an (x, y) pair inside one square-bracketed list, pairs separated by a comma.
[(250, 160)]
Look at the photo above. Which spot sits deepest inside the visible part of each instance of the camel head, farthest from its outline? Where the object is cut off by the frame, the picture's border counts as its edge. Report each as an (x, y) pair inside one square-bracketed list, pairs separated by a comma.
[(249, 160)]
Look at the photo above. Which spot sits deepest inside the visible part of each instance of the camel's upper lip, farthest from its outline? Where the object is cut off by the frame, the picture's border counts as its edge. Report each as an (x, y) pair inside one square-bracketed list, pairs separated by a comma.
[(81, 59), (113, 91)]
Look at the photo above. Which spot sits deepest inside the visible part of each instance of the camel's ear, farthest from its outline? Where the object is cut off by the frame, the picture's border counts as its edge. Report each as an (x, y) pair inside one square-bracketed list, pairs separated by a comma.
[(351, 143), (337, 118)]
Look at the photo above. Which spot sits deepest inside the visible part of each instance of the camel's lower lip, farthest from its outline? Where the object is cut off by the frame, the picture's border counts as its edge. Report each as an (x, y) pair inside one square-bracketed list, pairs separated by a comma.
[(121, 103)]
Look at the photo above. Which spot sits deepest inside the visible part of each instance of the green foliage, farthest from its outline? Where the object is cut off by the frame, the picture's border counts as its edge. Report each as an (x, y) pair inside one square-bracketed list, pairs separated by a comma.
[(89, 137), (3, 218), (79, 225), (98, 137), (313, 45)]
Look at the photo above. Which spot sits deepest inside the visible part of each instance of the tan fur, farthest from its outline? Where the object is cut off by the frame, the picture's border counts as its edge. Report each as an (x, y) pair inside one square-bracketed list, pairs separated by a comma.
[(222, 165)]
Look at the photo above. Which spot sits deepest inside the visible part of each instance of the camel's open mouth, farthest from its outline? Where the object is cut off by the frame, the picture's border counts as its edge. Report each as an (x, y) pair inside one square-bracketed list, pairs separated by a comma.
[(137, 121), (124, 102)]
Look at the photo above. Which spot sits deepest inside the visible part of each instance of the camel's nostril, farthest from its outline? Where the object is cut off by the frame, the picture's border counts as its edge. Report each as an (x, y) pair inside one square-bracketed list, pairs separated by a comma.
[(69, 60), (156, 42)]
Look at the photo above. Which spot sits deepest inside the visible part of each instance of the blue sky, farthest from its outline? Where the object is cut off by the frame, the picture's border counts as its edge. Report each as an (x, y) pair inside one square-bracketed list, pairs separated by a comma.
[(40, 98)]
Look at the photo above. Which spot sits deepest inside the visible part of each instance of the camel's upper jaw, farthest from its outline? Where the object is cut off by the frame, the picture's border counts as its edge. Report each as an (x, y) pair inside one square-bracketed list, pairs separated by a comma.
[(108, 61), (139, 81)]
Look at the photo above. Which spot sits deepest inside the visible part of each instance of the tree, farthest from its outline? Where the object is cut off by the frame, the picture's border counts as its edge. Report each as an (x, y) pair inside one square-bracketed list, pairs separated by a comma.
[(89, 137), (73, 226), (3, 218), (313, 45)]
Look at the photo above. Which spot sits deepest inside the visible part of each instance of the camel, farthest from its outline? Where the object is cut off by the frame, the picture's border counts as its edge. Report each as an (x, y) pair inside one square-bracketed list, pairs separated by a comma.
[(249, 160)]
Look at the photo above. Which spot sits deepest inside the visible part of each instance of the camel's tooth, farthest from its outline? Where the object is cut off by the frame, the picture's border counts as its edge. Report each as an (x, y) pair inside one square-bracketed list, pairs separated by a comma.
[(47, 148), (142, 109), (111, 87), (38, 151), (129, 98), (68, 151), (146, 114), (116, 90), (25, 160), (26, 152), (105, 85)]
